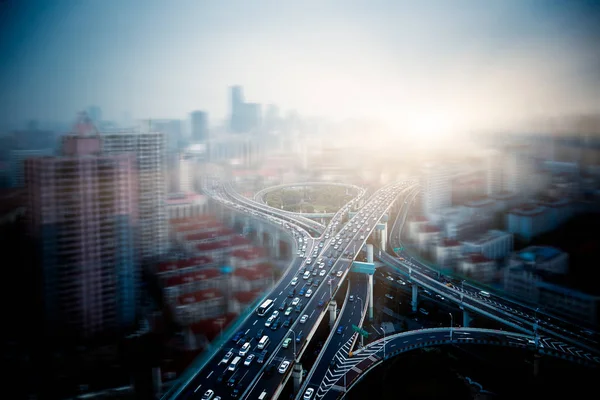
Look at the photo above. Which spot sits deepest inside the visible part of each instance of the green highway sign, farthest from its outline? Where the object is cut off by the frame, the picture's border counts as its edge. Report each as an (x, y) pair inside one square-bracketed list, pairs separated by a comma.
[(360, 331)]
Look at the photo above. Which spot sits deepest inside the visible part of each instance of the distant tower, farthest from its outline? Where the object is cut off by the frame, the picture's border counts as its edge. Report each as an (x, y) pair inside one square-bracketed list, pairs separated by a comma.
[(237, 109), (199, 127)]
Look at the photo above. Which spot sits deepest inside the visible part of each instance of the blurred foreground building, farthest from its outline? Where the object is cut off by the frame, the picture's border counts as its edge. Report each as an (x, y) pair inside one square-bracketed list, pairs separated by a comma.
[(82, 213)]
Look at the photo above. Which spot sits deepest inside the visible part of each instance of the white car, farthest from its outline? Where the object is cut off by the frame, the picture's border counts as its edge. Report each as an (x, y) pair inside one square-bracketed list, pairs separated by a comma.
[(322, 272), (389, 278), (308, 394), (339, 273), (304, 319), (208, 395), (294, 281), (295, 301), (245, 349), (283, 367), (269, 321), (249, 360), (227, 356), (308, 293)]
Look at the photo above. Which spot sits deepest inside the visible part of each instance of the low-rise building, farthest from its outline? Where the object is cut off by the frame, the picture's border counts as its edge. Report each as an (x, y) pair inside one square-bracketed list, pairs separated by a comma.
[(200, 305), (494, 244), (543, 258), (428, 237), (541, 287), (447, 252), (528, 221), (414, 226), (477, 267), (185, 205)]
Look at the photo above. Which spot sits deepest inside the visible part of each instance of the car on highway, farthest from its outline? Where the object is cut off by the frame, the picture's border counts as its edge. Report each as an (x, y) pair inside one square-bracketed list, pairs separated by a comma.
[(308, 394), (227, 357), (304, 319), (249, 360), (295, 301), (208, 395), (322, 272), (294, 281), (245, 349), (302, 291), (286, 343), (269, 321), (339, 273), (309, 293), (351, 298), (389, 278), (283, 306), (340, 329), (299, 308), (283, 367), (288, 311), (275, 325), (321, 303), (287, 322), (259, 334), (262, 356)]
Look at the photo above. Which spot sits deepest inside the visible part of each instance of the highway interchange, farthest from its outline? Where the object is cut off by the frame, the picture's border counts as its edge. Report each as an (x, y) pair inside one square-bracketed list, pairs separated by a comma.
[(253, 380), (246, 380)]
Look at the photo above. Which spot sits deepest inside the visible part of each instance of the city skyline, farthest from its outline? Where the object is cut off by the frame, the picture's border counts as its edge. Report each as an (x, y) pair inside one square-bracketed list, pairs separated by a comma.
[(463, 64)]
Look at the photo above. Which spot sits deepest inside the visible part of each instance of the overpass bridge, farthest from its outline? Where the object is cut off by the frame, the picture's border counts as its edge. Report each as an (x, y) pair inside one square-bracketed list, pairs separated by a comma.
[(351, 367)]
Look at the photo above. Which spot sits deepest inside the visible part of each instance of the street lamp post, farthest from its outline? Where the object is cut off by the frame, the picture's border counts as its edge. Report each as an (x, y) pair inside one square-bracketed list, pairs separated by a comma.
[(382, 330), (451, 325), (294, 334), (361, 310)]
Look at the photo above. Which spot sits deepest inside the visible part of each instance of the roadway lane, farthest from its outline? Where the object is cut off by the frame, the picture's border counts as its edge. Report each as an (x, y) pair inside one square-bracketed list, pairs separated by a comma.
[(338, 344)]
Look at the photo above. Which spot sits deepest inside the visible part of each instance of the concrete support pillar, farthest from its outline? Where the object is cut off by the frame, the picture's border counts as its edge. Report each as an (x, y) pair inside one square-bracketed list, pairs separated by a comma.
[(332, 313), (466, 319), (157, 381), (370, 296), (276, 245), (536, 364), (384, 238), (369, 253), (297, 375), (415, 296)]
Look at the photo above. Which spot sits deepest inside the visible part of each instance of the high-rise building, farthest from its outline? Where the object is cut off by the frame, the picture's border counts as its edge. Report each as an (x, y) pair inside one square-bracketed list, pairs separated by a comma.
[(150, 153), (245, 117), (493, 170), (17, 158), (186, 179), (199, 127), (172, 128), (436, 189), (82, 213)]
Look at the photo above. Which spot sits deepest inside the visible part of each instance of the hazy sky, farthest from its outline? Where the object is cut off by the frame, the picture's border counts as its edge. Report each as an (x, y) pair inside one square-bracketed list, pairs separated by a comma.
[(474, 62)]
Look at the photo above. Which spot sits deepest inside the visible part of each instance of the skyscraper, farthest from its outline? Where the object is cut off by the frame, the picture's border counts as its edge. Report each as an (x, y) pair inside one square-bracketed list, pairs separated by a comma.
[(436, 189), (82, 213), (237, 109), (199, 127), (150, 153)]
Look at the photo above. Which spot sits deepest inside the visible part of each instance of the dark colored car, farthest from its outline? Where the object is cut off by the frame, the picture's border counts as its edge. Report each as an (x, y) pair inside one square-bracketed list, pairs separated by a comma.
[(260, 334), (287, 322), (321, 302)]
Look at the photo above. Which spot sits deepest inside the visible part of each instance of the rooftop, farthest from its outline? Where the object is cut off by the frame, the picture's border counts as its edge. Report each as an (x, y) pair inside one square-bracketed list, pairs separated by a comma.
[(430, 229), (480, 202), (476, 258), (200, 296), (249, 254), (538, 253), (172, 265), (528, 210), (488, 236), (449, 242), (203, 274)]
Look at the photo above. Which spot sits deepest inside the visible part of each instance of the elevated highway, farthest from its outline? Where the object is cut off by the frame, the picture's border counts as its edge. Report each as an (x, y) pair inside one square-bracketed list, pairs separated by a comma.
[(214, 373), (350, 369)]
